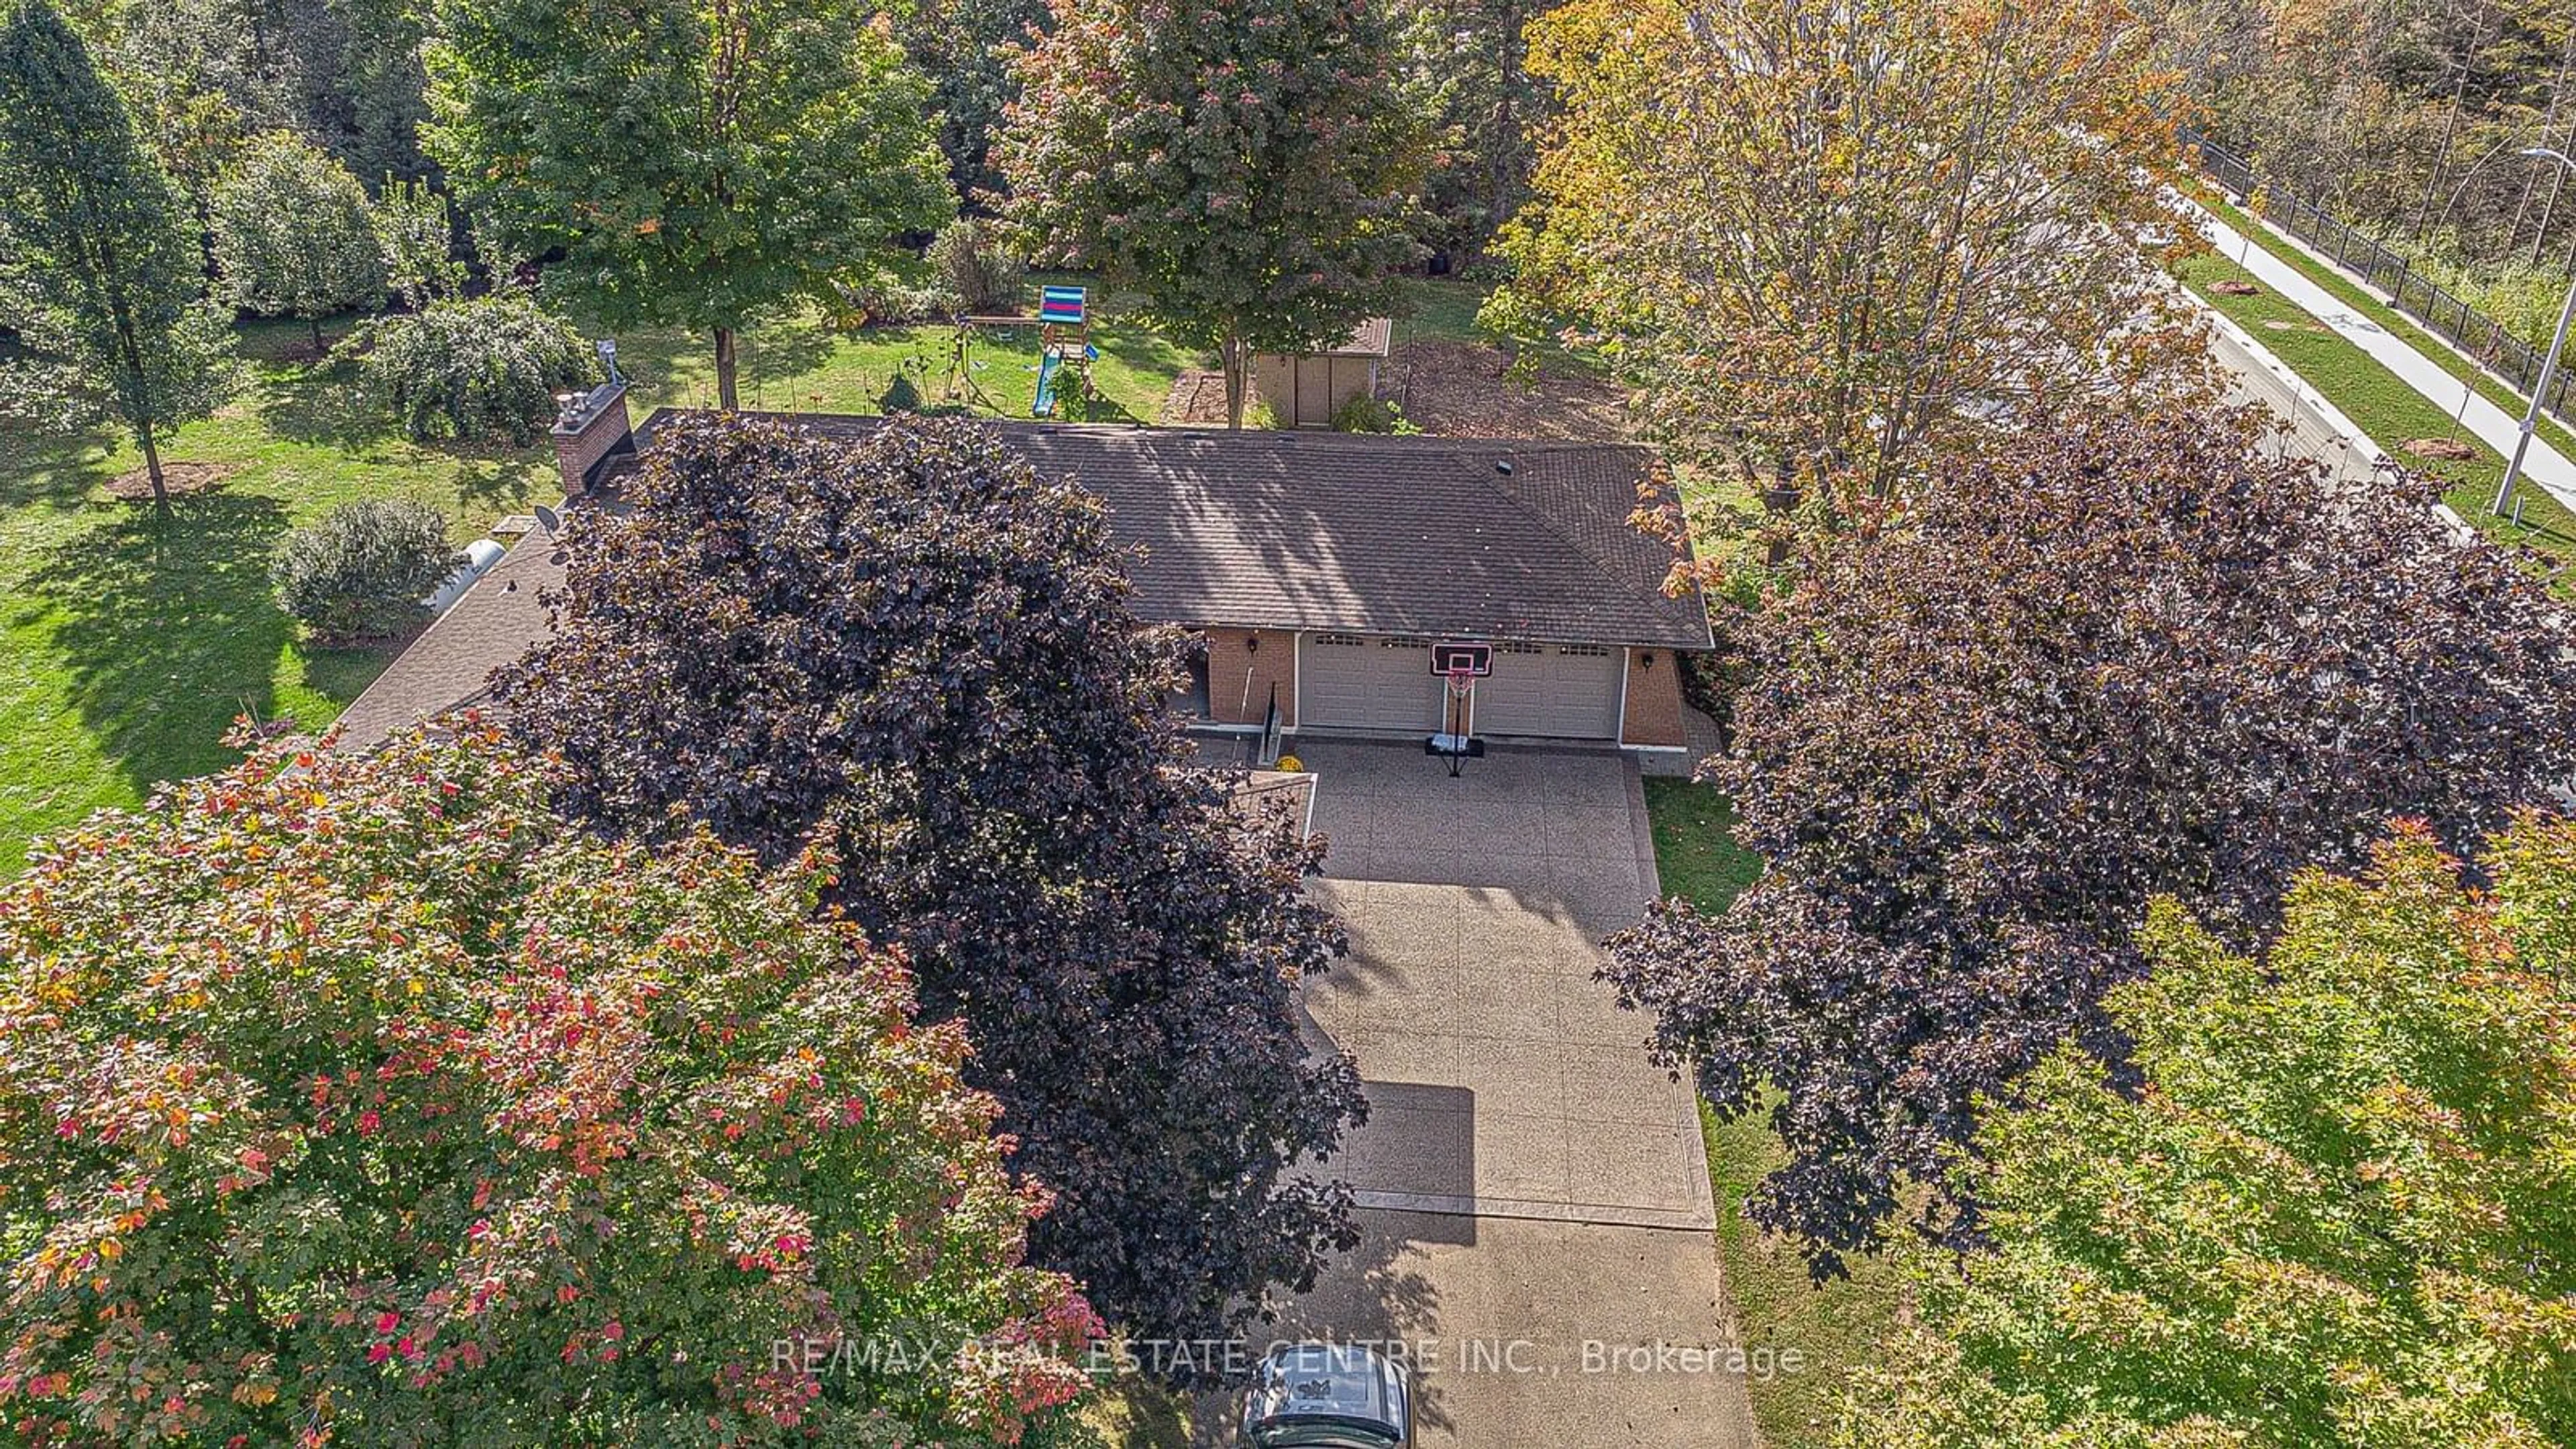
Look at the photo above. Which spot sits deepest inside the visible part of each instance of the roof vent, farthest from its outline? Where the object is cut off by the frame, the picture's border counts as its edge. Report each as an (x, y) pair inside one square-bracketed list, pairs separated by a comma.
[(1503, 466)]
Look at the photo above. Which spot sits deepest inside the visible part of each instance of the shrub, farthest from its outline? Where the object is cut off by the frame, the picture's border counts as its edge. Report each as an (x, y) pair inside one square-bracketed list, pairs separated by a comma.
[(364, 569), (473, 371), (886, 300), (974, 266), (360, 1100), (2340, 1217), (1366, 414)]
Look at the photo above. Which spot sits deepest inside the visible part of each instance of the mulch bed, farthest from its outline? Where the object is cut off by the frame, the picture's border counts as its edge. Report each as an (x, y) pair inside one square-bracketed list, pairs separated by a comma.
[(1451, 390), (1197, 399), (181, 479), (2451, 448), (1461, 390), (2233, 288)]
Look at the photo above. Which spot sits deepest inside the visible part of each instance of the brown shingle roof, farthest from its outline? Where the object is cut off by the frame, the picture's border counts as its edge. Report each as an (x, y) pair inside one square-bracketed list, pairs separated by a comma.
[(1450, 537)]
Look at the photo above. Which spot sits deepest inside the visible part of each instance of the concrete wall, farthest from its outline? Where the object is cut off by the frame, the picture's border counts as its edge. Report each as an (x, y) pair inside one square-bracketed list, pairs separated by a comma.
[(1243, 664), (1654, 714)]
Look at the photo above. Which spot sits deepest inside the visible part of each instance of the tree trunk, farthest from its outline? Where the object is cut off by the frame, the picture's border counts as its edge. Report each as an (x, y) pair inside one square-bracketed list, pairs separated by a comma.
[(152, 465), (2450, 128), (2557, 173), (317, 336), (725, 397), (1237, 365)]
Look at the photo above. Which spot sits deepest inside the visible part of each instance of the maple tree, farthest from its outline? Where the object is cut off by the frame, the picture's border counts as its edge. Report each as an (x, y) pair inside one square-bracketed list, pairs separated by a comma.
[(694, 164), (361, 1099), (914, 642), (2138, 657), (2340, 1213), (1248, 167), (1829, 241)]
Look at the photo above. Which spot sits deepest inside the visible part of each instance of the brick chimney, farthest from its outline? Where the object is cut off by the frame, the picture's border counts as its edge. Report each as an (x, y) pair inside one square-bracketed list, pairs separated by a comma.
[(592, 431)]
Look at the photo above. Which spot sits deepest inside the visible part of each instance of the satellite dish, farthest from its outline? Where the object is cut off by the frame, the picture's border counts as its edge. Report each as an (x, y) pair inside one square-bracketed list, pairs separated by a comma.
[(549, 520)]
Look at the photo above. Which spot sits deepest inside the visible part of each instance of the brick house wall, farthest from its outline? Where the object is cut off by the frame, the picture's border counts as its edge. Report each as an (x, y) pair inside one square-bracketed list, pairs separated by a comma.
[(1243, 664), (1654, 714)]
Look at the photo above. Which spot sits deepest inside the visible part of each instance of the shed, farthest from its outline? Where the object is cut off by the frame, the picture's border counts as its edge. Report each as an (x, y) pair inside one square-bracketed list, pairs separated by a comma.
[(1306, 390)]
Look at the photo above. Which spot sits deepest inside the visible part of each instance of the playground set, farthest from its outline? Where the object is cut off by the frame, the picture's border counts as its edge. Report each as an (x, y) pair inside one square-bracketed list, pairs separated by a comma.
[(1064, 338)]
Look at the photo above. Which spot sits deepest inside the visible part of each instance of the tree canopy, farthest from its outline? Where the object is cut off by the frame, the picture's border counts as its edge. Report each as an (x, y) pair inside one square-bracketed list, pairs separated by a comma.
[(1834, 292), (294, 236), (102, 276), (692, 164), (2340, 1215), (918, 645), (2133, 659), (361, 1099), (1248, 167)]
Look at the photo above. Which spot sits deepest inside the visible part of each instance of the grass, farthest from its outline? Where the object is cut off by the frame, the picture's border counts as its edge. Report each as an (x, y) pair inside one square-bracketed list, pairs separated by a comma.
[(129, 643), (2383, 405), (2553, 529), (1837, 1328), (132, 641), (800, 365)]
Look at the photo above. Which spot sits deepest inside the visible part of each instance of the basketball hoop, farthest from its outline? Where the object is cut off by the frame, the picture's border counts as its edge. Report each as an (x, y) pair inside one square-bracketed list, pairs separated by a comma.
[(1457, 740)]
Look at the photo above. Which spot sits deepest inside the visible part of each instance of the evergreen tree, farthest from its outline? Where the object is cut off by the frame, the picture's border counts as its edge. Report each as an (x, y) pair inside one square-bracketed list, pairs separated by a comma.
[(293, 235), (1249, 167), (104, 275)]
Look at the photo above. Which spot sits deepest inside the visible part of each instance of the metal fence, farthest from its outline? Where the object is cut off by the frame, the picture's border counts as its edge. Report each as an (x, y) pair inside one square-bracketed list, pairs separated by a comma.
[(2446, 316)]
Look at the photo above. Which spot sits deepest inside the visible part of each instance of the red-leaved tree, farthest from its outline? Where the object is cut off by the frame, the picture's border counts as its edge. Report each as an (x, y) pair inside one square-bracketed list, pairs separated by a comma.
[(2131, 660), (360, 1100), (916, 642)]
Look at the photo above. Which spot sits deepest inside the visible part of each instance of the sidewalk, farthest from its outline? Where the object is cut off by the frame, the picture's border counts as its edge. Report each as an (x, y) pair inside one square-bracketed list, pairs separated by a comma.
[(2544, 466)]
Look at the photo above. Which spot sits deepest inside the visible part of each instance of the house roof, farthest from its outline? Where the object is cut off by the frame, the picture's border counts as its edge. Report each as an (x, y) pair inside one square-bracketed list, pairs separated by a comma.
[(1439, 537), (1489, 539)]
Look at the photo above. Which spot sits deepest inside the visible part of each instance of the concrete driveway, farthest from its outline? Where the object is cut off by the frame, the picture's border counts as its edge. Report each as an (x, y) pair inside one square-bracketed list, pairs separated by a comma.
[(1534, 1195)]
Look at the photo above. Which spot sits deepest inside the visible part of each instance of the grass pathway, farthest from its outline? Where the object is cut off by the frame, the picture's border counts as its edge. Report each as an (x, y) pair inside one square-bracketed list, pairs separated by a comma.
[(1835, 1329), (2381, 404)]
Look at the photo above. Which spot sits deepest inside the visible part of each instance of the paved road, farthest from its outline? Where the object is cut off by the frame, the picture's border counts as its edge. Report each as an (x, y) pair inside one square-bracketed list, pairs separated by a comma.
[(2544, 465), (1534, 1195)]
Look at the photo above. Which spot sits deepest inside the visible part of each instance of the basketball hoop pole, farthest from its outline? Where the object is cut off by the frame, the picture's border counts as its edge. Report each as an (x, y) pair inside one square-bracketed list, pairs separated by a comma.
[(1458, 665), (1462, 717)]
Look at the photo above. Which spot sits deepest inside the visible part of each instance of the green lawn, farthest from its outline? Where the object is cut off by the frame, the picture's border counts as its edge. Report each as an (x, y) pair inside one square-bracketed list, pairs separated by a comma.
[(127, 644), (1835, 1329), (802, 366), (2382, 404), (130, 641)]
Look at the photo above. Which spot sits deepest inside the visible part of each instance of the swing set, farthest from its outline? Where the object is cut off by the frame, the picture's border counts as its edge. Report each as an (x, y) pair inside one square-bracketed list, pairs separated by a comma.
[(1064, 336)]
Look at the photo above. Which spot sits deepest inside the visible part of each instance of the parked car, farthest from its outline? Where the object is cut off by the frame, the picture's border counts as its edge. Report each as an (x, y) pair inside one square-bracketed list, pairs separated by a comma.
[(1329, 1396)]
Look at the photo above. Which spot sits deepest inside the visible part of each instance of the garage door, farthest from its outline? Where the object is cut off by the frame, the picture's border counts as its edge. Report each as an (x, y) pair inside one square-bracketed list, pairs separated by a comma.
[(1553, 691), (1366, 682)]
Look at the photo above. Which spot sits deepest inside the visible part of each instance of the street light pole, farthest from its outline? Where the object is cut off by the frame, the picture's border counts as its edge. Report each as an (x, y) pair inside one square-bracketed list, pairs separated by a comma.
[(2548, 366)]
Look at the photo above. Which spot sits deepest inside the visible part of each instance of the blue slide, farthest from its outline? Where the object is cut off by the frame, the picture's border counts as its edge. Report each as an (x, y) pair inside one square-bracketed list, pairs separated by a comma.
[(1047, 366)]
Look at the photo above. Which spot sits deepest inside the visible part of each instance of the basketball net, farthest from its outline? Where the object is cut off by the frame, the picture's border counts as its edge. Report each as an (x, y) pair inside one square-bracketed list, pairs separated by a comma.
[(1462, 705)]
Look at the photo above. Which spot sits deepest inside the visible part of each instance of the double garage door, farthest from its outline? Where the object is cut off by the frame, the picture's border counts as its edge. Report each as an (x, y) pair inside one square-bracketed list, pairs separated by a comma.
[(1374, 682)]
